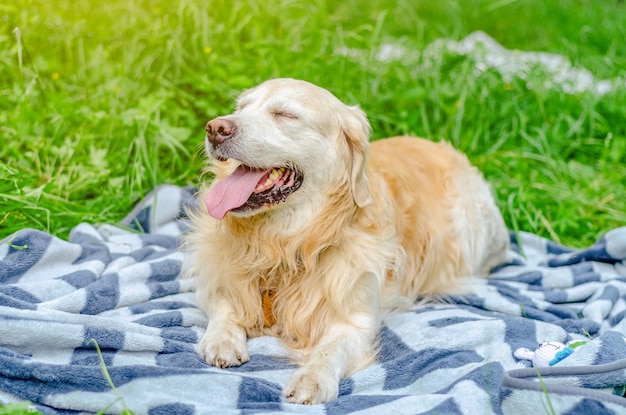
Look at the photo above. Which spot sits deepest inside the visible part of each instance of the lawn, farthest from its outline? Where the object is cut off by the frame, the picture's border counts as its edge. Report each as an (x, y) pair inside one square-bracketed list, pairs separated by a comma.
[(102, 101)]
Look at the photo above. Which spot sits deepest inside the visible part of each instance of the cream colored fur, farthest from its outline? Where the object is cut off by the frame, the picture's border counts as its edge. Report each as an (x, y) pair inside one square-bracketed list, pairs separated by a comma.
[(371, 228)]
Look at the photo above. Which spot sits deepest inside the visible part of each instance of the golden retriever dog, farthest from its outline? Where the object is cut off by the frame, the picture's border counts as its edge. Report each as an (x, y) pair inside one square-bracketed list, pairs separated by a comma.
[(311, 234)]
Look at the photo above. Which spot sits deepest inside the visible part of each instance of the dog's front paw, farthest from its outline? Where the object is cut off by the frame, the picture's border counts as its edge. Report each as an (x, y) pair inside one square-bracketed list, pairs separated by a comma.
[(224, 348), (312, 385)]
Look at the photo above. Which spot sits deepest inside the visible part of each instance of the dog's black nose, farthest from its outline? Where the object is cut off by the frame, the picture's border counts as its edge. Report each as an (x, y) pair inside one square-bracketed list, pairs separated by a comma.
[(219, 130)]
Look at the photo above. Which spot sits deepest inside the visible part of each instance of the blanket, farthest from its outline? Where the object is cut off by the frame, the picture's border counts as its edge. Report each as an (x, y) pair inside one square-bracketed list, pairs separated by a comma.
[(104, 322)]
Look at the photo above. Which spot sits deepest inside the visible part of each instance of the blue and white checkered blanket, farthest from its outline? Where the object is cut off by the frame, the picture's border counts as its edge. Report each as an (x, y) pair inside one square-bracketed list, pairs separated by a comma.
[(121, 287)]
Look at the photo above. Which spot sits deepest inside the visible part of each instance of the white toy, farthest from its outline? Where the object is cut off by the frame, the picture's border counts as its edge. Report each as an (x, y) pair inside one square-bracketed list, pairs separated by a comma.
[(547, 354)]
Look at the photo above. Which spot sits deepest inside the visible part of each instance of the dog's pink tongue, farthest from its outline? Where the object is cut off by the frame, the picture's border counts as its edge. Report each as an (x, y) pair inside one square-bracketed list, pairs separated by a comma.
[(231, 192)]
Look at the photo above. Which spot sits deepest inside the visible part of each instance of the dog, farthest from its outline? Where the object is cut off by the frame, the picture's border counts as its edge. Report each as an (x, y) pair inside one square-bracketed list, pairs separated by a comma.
[(310, 233)]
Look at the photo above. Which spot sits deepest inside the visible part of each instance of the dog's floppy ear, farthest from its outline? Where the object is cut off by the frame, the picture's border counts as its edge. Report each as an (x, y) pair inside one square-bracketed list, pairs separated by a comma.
[(356, 129)]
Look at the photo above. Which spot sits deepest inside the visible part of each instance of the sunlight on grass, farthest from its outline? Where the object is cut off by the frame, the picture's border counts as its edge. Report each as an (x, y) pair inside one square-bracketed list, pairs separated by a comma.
[(102, 101)]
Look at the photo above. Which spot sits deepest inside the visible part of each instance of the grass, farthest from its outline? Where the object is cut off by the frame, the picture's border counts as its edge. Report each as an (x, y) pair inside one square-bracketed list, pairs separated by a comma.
[(107, 376), (102, 101), (547, 405), (18, 408)]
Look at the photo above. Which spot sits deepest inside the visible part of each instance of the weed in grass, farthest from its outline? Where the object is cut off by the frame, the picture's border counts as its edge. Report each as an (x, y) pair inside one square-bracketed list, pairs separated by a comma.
[(548, 406), (105, 372), (522, 311), (587, 334), (16, 247), (102, 101)]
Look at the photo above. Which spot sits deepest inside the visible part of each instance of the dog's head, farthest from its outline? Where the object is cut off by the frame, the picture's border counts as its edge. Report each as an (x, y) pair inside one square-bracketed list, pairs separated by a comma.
[(286, 140)]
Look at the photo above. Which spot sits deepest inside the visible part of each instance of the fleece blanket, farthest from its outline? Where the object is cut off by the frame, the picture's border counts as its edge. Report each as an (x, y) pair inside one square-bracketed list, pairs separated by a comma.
[(119, 288)]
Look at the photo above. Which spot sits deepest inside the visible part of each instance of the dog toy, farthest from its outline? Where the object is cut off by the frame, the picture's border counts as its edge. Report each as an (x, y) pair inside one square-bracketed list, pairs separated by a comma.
[(547, 354)]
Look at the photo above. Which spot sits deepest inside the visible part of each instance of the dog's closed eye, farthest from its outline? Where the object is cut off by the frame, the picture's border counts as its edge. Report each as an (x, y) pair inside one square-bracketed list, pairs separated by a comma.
[(284, 114)]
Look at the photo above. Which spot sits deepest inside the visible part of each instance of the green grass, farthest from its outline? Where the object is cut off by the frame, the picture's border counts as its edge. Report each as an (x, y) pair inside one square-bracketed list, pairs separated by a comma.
[(102, 101), (107, 376), (18, 408)]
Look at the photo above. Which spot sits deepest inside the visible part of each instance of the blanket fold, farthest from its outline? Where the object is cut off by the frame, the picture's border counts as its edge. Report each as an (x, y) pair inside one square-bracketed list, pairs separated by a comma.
[(120, 286)]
